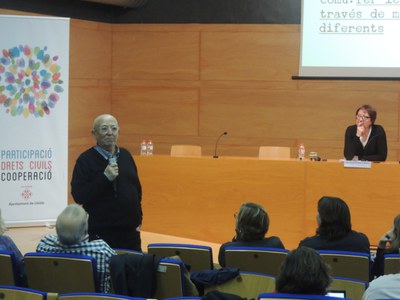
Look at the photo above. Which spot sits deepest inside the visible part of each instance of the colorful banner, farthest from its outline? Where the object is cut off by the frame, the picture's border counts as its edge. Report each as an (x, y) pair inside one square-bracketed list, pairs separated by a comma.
[(34, 72)]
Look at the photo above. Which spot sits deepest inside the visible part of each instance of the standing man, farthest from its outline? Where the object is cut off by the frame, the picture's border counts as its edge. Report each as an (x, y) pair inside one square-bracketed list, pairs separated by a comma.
[(105, 181)]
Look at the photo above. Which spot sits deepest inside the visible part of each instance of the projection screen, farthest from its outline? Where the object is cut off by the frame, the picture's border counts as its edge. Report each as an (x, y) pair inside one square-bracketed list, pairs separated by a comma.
[(350, 38)]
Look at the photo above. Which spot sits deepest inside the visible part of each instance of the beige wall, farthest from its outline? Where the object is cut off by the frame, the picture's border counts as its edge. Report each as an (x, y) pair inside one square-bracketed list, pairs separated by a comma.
[(186, 84)]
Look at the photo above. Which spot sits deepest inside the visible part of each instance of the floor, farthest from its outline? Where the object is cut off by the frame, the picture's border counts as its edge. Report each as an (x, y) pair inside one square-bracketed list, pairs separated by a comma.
[(27, 238)]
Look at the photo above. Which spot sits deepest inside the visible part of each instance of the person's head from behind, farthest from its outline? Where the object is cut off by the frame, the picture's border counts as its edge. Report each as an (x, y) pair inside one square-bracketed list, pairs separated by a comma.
[(334, 221), (303, 272), (2, 224), (72, 225), (252, 222)]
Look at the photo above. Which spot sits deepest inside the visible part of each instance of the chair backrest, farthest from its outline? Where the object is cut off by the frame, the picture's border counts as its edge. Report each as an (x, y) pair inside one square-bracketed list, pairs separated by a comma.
[(127, 251), (255, 259), (20, 293), (186, 150), (58, 273), (170, 279), (391, 263), (354, 288), (284, 296), (273, 152), (8, 267), (346, 264), (184, 298), (197, 256), (247, 285), (95, 296)]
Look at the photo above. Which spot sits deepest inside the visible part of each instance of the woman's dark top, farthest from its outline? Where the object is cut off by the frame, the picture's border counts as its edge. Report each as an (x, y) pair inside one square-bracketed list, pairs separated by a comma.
[(354, 241), (374, 150)]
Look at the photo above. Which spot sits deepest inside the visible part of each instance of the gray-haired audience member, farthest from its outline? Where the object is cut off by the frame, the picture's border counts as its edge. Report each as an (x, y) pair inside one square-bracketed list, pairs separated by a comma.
[(72, 238), (303, 272), (251, 226)]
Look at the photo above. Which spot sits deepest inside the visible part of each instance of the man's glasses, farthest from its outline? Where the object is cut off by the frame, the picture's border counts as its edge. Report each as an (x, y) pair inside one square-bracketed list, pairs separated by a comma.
[(105, 129), (364, 118)]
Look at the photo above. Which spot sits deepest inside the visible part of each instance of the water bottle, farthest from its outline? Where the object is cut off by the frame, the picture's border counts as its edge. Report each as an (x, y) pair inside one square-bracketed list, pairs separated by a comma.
[(301, 152), (149, 151), (143, 148)]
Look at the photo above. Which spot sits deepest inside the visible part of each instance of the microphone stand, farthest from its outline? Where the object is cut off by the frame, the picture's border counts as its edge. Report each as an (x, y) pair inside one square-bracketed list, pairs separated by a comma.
[(216, 144)]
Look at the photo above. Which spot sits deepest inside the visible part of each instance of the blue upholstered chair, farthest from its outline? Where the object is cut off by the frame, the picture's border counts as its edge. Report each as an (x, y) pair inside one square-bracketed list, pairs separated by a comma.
[(198, 257), (283, 296), (21, 293), (255, 259), (8, 267), (347, 264), (61, 273)]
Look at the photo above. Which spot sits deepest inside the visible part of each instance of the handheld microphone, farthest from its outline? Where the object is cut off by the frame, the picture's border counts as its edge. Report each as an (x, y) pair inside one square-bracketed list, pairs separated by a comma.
[(114, 160), (216, 144)]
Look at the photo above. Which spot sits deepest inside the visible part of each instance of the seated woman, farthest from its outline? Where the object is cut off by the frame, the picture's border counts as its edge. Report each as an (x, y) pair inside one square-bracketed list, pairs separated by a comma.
[(365, 140), (334, 229), (303, 272), (252, 224), (389, 243), (6, 243)]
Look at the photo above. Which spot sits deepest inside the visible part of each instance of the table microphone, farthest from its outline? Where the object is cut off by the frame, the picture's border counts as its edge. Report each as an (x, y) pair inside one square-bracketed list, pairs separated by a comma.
[(216, 144), (114, 160)]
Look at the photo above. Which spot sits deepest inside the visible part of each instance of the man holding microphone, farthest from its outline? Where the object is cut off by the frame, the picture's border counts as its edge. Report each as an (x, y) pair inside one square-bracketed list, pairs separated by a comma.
[(106, 183)]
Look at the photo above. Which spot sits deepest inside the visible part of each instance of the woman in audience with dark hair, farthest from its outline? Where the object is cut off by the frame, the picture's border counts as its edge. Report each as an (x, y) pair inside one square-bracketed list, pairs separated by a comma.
[(251, 226), (334, 230), (389, 243), (303, 272)]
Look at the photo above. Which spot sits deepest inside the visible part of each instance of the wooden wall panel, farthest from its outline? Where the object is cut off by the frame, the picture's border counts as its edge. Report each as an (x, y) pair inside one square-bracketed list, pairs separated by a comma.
[(90, 50), (90, 84), (155, 55), (244, 86), (249, 55), (157, 111), (266, 116)]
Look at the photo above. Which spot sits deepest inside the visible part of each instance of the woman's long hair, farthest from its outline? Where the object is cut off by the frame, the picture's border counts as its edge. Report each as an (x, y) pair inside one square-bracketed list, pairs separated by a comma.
[(395, 242), (334, 218)]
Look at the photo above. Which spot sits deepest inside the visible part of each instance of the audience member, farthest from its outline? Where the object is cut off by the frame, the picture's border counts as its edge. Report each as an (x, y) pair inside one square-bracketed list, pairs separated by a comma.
[(303, 272), (251, 226), (334, 230), (6, 243), (72, 238), (105, 181), (389, 243), (383, 287), (365, 140)]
